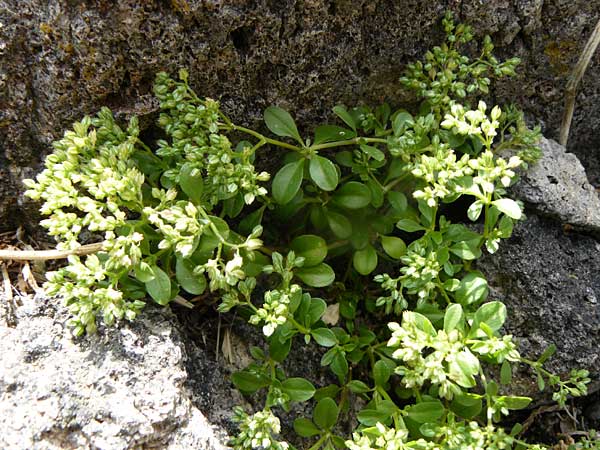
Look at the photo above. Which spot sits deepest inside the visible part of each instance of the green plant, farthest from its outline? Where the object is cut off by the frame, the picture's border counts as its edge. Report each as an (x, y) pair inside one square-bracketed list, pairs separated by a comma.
[(365, 200)]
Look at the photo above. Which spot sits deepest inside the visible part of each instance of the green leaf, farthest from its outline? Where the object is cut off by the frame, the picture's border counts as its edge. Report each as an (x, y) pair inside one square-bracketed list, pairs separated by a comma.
[(343, 114), (398, 201), (287, 181), (474, 210), (326, 413), (312, 248), (508, 207), (373, 152), (305, 427), (280, 122), (426, 411), (323, 172), (249, 382), (393, 246), (317, 276), (339, 366), (187, 279), (550, 350), (409, 225), (365, 260), (381, 373), (278, 348), (515, 402), (370, 417), (332, 133), (467, 405), (352, 195), (467, 250), (316, 309), (159, 287), (402, 120), (298, 389), (473, 289), (493, 314), (324, 337), (143, 272), (339, 224), (453, 317), (506, 373), (463, 369), (191, 182), (358, 387)]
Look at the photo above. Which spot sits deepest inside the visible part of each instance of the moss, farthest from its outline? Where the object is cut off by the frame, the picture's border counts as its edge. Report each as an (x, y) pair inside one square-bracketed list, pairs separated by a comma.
[(559, 55)]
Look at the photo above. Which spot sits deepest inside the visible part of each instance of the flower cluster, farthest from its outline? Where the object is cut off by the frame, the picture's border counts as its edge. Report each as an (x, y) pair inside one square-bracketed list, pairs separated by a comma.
[(440, 172), (274, 311), (257, 430), (449, 363), (178, 222), (473, 436), (193, 125), (87, 288), (223, 275), (384, 438), (474, 122), (420, 271), (90, 171)]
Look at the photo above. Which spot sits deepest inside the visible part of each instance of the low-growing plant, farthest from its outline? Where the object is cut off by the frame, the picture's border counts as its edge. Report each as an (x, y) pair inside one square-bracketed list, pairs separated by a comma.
[(371, 220)]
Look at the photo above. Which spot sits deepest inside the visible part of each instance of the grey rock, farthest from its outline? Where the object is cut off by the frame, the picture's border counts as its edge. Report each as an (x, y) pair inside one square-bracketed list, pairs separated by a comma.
[(557, 186), (122, 388), (63, 59), (548, 279)]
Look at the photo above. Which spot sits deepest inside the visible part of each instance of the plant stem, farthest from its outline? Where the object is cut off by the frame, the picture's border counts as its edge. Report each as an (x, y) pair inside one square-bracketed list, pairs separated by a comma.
[(353, 141), (44, 255)]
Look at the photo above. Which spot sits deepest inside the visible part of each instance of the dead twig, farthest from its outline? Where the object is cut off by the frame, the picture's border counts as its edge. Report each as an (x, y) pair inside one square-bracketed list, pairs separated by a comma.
[(574, 79), (44, 255)]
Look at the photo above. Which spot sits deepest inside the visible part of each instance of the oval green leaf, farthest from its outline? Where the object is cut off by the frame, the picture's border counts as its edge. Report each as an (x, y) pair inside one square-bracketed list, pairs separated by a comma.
[(352, 195), (326, 413), (339, 224), (191, 182), (187, 279), (393, 246), (332, 133), (287, 181), (508, 207), (298, 389), (324, 173), (312, 248), (280, 122), (317, 276), (159, 287), (365, 260)]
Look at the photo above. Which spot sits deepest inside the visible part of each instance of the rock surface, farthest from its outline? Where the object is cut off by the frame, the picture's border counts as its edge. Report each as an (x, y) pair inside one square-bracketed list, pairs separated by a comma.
[(557, 186), (122, 388), (548, 279), (63, 59)]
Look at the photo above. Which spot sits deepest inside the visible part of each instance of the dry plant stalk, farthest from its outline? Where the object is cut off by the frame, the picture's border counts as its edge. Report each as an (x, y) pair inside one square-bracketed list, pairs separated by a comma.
[(44, 255), (574, 79)]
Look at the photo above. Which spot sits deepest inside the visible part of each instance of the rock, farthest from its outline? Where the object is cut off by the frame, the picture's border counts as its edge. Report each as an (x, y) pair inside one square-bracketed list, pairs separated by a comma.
[(557, 187), (61, 61), (123, 388), (548, 279)]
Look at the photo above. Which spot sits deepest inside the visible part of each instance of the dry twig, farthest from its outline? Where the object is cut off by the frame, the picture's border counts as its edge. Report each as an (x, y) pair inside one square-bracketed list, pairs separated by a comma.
[(44, 255), (574, 79)]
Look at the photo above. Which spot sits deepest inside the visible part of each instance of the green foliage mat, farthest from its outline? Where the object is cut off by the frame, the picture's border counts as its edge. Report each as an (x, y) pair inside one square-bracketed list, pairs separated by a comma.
[(352, 221)]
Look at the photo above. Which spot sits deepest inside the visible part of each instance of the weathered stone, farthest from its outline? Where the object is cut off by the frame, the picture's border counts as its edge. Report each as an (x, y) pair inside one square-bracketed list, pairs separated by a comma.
[(122, 388), (548, 279), (64, 59), (557, 186)]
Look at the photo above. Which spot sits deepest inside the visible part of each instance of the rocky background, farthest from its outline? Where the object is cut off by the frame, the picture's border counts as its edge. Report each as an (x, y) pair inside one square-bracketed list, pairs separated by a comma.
[(161, 382), (61, 59)]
